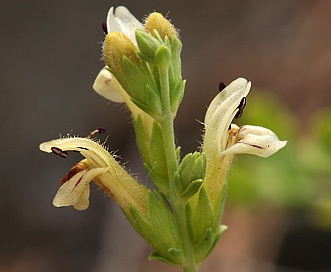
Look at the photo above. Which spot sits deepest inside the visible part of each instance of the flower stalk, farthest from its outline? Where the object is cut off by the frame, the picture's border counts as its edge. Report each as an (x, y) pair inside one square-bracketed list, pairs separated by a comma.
[(181, 217)]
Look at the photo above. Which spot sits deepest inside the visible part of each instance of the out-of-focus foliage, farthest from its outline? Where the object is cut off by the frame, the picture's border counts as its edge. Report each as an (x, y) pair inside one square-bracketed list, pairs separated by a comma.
[(297, 177)]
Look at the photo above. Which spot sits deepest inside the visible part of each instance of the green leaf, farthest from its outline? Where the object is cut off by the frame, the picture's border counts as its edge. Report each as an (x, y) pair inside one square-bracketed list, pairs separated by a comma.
[(142, 143), (157, 257), (178, 183), (147, 45), (176, 96), (202, 216), (162, 56), (157, 152), (207, 243), (176, 48), (192, 168), (142, 226), (178, 149), (192, 189), (177, 255), (202, 248), (136, 80), (163, 224), (158, 181)]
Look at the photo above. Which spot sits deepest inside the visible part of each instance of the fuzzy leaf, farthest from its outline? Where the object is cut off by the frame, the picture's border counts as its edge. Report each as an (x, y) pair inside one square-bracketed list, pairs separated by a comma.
[(192, 189), (202, 248), (202, 216)]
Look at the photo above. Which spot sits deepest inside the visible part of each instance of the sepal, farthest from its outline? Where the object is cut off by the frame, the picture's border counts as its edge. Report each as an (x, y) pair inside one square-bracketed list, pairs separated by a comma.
[(151, 147), (162, 56), (177, 257), (192, 189), (200, 216), (147, 45), (208, 242)]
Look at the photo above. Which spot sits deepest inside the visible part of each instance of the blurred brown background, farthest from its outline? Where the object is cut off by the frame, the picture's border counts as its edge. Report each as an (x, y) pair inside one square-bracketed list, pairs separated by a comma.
[(50, 55)]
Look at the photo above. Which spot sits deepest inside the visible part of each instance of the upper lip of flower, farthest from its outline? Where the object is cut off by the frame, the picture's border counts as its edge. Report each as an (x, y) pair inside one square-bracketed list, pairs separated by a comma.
[(94, 153), (222, 110), (121, 20)]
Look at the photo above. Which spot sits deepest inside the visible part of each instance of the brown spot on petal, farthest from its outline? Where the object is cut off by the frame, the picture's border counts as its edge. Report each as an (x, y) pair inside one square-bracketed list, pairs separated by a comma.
[(82, 165)]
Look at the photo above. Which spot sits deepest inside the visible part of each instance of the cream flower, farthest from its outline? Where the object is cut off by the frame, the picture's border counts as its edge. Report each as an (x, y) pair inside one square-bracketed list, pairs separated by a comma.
[(101, 167), (108, 86), (121, 20), (222, 140), (226, 139)]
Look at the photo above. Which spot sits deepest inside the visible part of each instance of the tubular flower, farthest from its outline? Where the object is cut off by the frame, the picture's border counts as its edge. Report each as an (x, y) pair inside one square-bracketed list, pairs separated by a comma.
[(101, 167), (225, 138), (222, 140)]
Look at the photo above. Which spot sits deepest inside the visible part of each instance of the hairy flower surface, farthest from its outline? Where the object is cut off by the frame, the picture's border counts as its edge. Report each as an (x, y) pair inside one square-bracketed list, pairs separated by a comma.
[(101, 167)]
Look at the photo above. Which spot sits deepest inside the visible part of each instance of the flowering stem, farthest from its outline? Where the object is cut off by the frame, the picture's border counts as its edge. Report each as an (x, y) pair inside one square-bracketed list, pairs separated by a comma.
[(178, 205)]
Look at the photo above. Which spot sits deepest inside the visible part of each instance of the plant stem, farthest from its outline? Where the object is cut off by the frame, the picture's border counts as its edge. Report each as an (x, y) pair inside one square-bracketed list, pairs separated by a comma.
[(178, 206)]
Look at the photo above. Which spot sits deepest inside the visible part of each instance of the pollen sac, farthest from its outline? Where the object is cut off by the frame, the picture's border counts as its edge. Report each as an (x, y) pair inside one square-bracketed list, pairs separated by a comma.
[(221, 86), (241, 107), (104, 28), (59, 152)]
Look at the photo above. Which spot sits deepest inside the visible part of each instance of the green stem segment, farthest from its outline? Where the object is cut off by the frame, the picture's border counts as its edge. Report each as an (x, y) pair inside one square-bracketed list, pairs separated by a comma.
[(178, 205)]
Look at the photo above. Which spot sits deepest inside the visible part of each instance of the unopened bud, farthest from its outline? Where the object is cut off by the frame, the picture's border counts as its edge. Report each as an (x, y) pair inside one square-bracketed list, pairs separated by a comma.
[(116, 46), (157, 22)]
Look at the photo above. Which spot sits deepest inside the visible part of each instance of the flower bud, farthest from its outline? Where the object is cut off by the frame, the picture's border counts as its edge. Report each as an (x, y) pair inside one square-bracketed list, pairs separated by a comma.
[(117, 46), (157, 22)]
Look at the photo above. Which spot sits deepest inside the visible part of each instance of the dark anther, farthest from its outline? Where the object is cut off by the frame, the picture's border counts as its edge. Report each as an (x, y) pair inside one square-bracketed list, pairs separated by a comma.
[(240, 108), (59, 152), (101, 130), (104, 28), (221, 86)]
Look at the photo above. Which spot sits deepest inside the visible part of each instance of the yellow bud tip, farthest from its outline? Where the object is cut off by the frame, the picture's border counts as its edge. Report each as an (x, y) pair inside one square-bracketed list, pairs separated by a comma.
[(157, 22), (116, 46)]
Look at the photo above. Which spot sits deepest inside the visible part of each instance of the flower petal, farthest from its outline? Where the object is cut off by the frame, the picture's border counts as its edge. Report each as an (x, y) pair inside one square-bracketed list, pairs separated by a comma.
[(76, 191), (221, 112), (107, 86), (121, 20), (96, 155), (257, 141)]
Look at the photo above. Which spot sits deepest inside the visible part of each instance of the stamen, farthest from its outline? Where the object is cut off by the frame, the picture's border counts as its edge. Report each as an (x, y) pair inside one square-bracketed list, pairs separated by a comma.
[(59, 152), (104, 28), (241, 107), (221, 86), (99, 130)]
